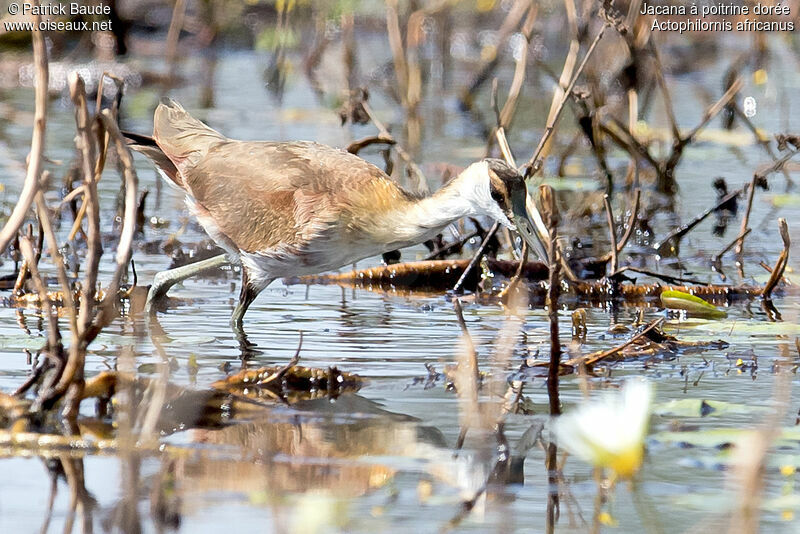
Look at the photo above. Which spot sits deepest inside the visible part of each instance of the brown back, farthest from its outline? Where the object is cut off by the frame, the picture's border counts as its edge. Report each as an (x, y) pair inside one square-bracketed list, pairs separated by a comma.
[(264, 195)]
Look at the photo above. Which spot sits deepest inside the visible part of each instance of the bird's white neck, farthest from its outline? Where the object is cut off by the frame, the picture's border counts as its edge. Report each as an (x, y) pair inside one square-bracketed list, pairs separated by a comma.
[(466, 195)]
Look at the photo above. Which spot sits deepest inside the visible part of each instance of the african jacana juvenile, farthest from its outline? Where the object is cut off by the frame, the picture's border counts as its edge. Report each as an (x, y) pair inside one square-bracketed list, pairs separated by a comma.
[(292, 208)]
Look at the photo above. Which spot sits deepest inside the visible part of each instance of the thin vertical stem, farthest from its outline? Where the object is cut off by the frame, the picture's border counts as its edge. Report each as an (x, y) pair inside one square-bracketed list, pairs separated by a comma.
[(28, 193)]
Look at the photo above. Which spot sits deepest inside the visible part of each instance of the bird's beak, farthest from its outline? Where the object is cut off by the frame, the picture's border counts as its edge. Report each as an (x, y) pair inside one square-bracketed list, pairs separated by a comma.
[(529, 223)]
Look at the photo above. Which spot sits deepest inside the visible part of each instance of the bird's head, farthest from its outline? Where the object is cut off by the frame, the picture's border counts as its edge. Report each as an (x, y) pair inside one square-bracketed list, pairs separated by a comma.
[(499, 191)]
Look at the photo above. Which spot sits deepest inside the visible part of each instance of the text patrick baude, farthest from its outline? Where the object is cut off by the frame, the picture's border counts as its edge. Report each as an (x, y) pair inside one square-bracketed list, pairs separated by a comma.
[(74, 8)]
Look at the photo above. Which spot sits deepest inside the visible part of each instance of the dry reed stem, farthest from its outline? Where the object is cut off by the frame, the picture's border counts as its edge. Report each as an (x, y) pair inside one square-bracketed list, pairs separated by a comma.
[(505, 148), (72, 375), (103, 136), (476, 257), (102, 143), (356, 146), (396, 44), (749, 456), (123, 256), (714, 110), (612, 234), (174, 31), (22, 275), (534, 164), (716, 262), (665, 93), (53, 333), (57, 259), (34, 169), (776, 166), (466, 377), (678, 233), (87, 150), (631, 221), (69, 197), (563, 81), (414, 36), (550, 211), (76, 225), (780, 265), (509, 24), (513, 283), (510, 106), (422, 182), (751, 193)]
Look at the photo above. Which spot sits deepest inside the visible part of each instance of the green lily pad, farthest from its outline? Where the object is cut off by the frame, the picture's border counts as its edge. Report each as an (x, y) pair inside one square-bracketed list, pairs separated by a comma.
[(779, 460), (113, 340), (21, 341), (751, 328), (190, 340), (715, 438), (719, 438), (678, 300), (570, 184), (722, 501), (782, 503), (786, 200), (703, 408), (148, 369), (717, 502)]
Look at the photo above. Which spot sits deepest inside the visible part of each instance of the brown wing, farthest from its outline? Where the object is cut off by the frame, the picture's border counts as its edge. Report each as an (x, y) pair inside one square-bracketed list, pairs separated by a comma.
[(265, 195)]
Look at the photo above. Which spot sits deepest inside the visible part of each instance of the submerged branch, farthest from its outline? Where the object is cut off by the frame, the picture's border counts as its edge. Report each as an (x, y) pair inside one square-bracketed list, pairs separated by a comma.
[(427, 277)]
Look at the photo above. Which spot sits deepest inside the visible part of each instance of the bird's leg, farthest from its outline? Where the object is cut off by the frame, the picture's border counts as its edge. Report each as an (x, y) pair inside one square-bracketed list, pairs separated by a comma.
[(247, 295), (163, 281), (247, 348)]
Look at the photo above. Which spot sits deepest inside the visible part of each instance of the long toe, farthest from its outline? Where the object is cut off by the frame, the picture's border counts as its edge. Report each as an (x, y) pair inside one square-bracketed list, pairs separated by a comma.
[(158, 290)]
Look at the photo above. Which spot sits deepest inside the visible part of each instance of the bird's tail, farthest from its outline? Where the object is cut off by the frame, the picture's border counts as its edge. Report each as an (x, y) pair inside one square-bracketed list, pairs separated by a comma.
[(180, 136), (179, 140), (148, 146)]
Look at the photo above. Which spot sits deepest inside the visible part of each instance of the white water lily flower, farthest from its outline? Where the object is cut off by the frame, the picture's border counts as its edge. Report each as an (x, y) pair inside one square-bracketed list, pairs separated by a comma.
[(609, 431)]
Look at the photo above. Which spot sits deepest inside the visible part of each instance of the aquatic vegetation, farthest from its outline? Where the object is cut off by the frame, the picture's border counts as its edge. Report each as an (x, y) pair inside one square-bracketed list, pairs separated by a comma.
[(293, 382), (694, 305), (609, 431)]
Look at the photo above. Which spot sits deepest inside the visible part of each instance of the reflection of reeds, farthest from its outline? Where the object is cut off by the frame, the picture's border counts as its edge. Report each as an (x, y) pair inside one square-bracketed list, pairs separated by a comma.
[(486, 414), (750, 454)]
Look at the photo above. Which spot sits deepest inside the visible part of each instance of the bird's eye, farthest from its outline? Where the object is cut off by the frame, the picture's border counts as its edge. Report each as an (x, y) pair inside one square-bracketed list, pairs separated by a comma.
[(497, 196)]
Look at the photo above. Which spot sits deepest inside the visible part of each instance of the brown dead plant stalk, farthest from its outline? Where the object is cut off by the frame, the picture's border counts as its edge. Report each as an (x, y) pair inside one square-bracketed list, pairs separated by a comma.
[(780, 265), (34, 170), (86, 318), (551, 218)]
